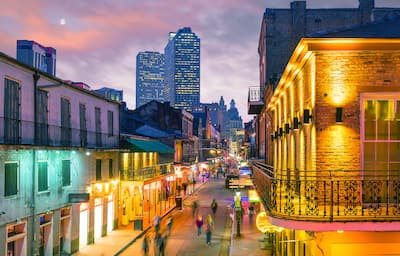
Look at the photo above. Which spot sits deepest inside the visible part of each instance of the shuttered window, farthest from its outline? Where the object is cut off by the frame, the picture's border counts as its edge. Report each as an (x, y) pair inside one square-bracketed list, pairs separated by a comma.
[(11, 112), (110, 168), (65, 122), (66, 172), (110, 117), (42, 118), (98, 169), (10, 179), (82, 124), (43, 179), (97, 118)]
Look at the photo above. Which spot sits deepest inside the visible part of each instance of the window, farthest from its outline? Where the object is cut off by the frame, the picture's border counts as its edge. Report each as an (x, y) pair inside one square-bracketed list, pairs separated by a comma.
[(11, 112), (98, 169), (66, 134), (381, 140), (97, 119), (66, 172), (82, 124), (110, 168), (41, 131), (10, 179), (110, 116), (43, 179)]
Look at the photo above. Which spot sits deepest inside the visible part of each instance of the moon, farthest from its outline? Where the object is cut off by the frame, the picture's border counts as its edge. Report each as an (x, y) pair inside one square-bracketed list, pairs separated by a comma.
[(62, 21)]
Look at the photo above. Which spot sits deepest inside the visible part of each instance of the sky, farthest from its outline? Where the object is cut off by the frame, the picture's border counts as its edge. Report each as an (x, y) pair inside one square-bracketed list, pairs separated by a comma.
[(97, 40)]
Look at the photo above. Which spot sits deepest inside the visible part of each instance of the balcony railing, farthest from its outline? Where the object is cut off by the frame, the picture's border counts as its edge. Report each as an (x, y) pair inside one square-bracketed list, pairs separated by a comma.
[(18, 132), (147, 173), (255, 100), (329, 196)]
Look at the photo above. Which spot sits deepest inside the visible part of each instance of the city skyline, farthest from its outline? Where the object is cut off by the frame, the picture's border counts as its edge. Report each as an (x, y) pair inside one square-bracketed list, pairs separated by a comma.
[(97, 42)]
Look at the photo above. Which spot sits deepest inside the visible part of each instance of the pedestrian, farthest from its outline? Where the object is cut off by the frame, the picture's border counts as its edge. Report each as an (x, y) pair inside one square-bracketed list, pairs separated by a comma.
[(184, 186), (169, 225), (251, 213), (209, 225), (162, 242), (145, 245), (156, 223), (199, 224), (195, 206), (214, 207), (157, 243)]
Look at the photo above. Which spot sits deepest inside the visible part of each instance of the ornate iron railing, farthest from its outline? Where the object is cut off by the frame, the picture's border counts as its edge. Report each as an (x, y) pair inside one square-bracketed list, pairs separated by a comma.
[(329, 196), (19, 132), (147, 173)]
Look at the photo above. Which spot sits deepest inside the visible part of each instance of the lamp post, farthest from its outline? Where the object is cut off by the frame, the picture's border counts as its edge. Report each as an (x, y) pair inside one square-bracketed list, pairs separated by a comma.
[(238, 211)]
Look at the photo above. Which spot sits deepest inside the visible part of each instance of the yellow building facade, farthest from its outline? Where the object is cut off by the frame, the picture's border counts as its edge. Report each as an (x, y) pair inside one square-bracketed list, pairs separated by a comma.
[(331, 179)]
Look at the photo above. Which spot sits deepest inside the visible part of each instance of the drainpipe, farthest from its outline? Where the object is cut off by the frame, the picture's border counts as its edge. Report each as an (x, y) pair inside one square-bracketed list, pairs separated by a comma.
[(36, 77)]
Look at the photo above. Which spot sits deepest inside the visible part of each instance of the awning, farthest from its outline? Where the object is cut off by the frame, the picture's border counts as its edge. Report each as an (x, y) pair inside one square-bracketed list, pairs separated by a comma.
[(136, 145)]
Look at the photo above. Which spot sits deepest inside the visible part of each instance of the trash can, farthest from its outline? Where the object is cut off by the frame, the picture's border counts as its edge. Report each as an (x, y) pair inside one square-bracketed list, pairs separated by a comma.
[(178, 202), (138, 223)]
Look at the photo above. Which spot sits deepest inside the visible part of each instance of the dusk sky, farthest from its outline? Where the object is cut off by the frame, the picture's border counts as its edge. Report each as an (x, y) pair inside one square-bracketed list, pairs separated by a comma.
[(97, 41)]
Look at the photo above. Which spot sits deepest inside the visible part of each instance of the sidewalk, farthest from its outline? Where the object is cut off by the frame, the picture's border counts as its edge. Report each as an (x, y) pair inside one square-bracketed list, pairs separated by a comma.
[(119, 238), (248, 242)]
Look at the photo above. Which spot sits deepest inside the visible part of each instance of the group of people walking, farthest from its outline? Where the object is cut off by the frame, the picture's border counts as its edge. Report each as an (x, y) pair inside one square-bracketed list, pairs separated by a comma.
[(208, 223), (160, 237)]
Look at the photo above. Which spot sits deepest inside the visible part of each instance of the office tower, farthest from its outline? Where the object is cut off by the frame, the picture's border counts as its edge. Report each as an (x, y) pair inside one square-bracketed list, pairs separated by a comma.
[(37, 56), (110, 93), (149, 77), (182, 69)]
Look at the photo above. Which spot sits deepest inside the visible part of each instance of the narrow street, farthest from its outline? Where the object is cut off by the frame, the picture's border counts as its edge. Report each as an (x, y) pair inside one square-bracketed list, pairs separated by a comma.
[(184, 239)]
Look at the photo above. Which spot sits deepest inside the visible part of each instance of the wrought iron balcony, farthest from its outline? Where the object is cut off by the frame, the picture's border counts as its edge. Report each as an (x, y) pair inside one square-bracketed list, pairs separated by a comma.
[(146, 173), (255, 101), (19, 132), (345, 196)]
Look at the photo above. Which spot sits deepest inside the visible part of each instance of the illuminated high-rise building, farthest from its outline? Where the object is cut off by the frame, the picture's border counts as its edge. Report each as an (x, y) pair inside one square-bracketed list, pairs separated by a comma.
[(182, 69), (149, 77), (37, 56)]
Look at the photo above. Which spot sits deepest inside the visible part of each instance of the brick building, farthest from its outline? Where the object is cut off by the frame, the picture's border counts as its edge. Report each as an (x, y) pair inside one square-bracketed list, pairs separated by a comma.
[(331, 177)]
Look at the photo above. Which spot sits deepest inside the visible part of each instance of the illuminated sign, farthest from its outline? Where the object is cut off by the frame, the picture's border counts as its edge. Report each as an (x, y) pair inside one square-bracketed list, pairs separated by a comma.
[(253, 196)]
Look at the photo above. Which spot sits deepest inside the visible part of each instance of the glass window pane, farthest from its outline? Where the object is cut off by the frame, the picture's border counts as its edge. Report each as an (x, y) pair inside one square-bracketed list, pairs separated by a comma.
[(395, 152), (369, 156), (370, 127)]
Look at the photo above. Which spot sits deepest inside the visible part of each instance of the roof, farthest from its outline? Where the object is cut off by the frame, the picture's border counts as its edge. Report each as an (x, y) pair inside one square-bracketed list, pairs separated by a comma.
[(387, 27), (150, 131), (137, 145)]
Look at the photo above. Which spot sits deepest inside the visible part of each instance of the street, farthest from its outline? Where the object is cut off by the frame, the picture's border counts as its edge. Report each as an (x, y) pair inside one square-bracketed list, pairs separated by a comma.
[(184, 239)]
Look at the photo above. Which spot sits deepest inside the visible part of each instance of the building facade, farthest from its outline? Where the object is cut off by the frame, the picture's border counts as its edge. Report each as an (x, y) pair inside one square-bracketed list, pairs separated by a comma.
[(150, 83), (110, 93), (37, 56), (329, 181), (182, 69), (58, 163), (281, 30)]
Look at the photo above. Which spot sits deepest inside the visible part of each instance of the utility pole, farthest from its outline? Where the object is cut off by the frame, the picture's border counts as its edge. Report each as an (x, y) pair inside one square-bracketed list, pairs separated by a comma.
[(36, 78)]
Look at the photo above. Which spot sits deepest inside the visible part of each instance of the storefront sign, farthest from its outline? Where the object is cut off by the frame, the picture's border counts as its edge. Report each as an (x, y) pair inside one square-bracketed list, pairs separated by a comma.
[(78, 197)]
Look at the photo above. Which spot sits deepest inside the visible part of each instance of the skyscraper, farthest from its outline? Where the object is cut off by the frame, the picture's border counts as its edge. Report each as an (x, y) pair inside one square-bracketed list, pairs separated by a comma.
[(182, 69), (37, 56), (149, 77)]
